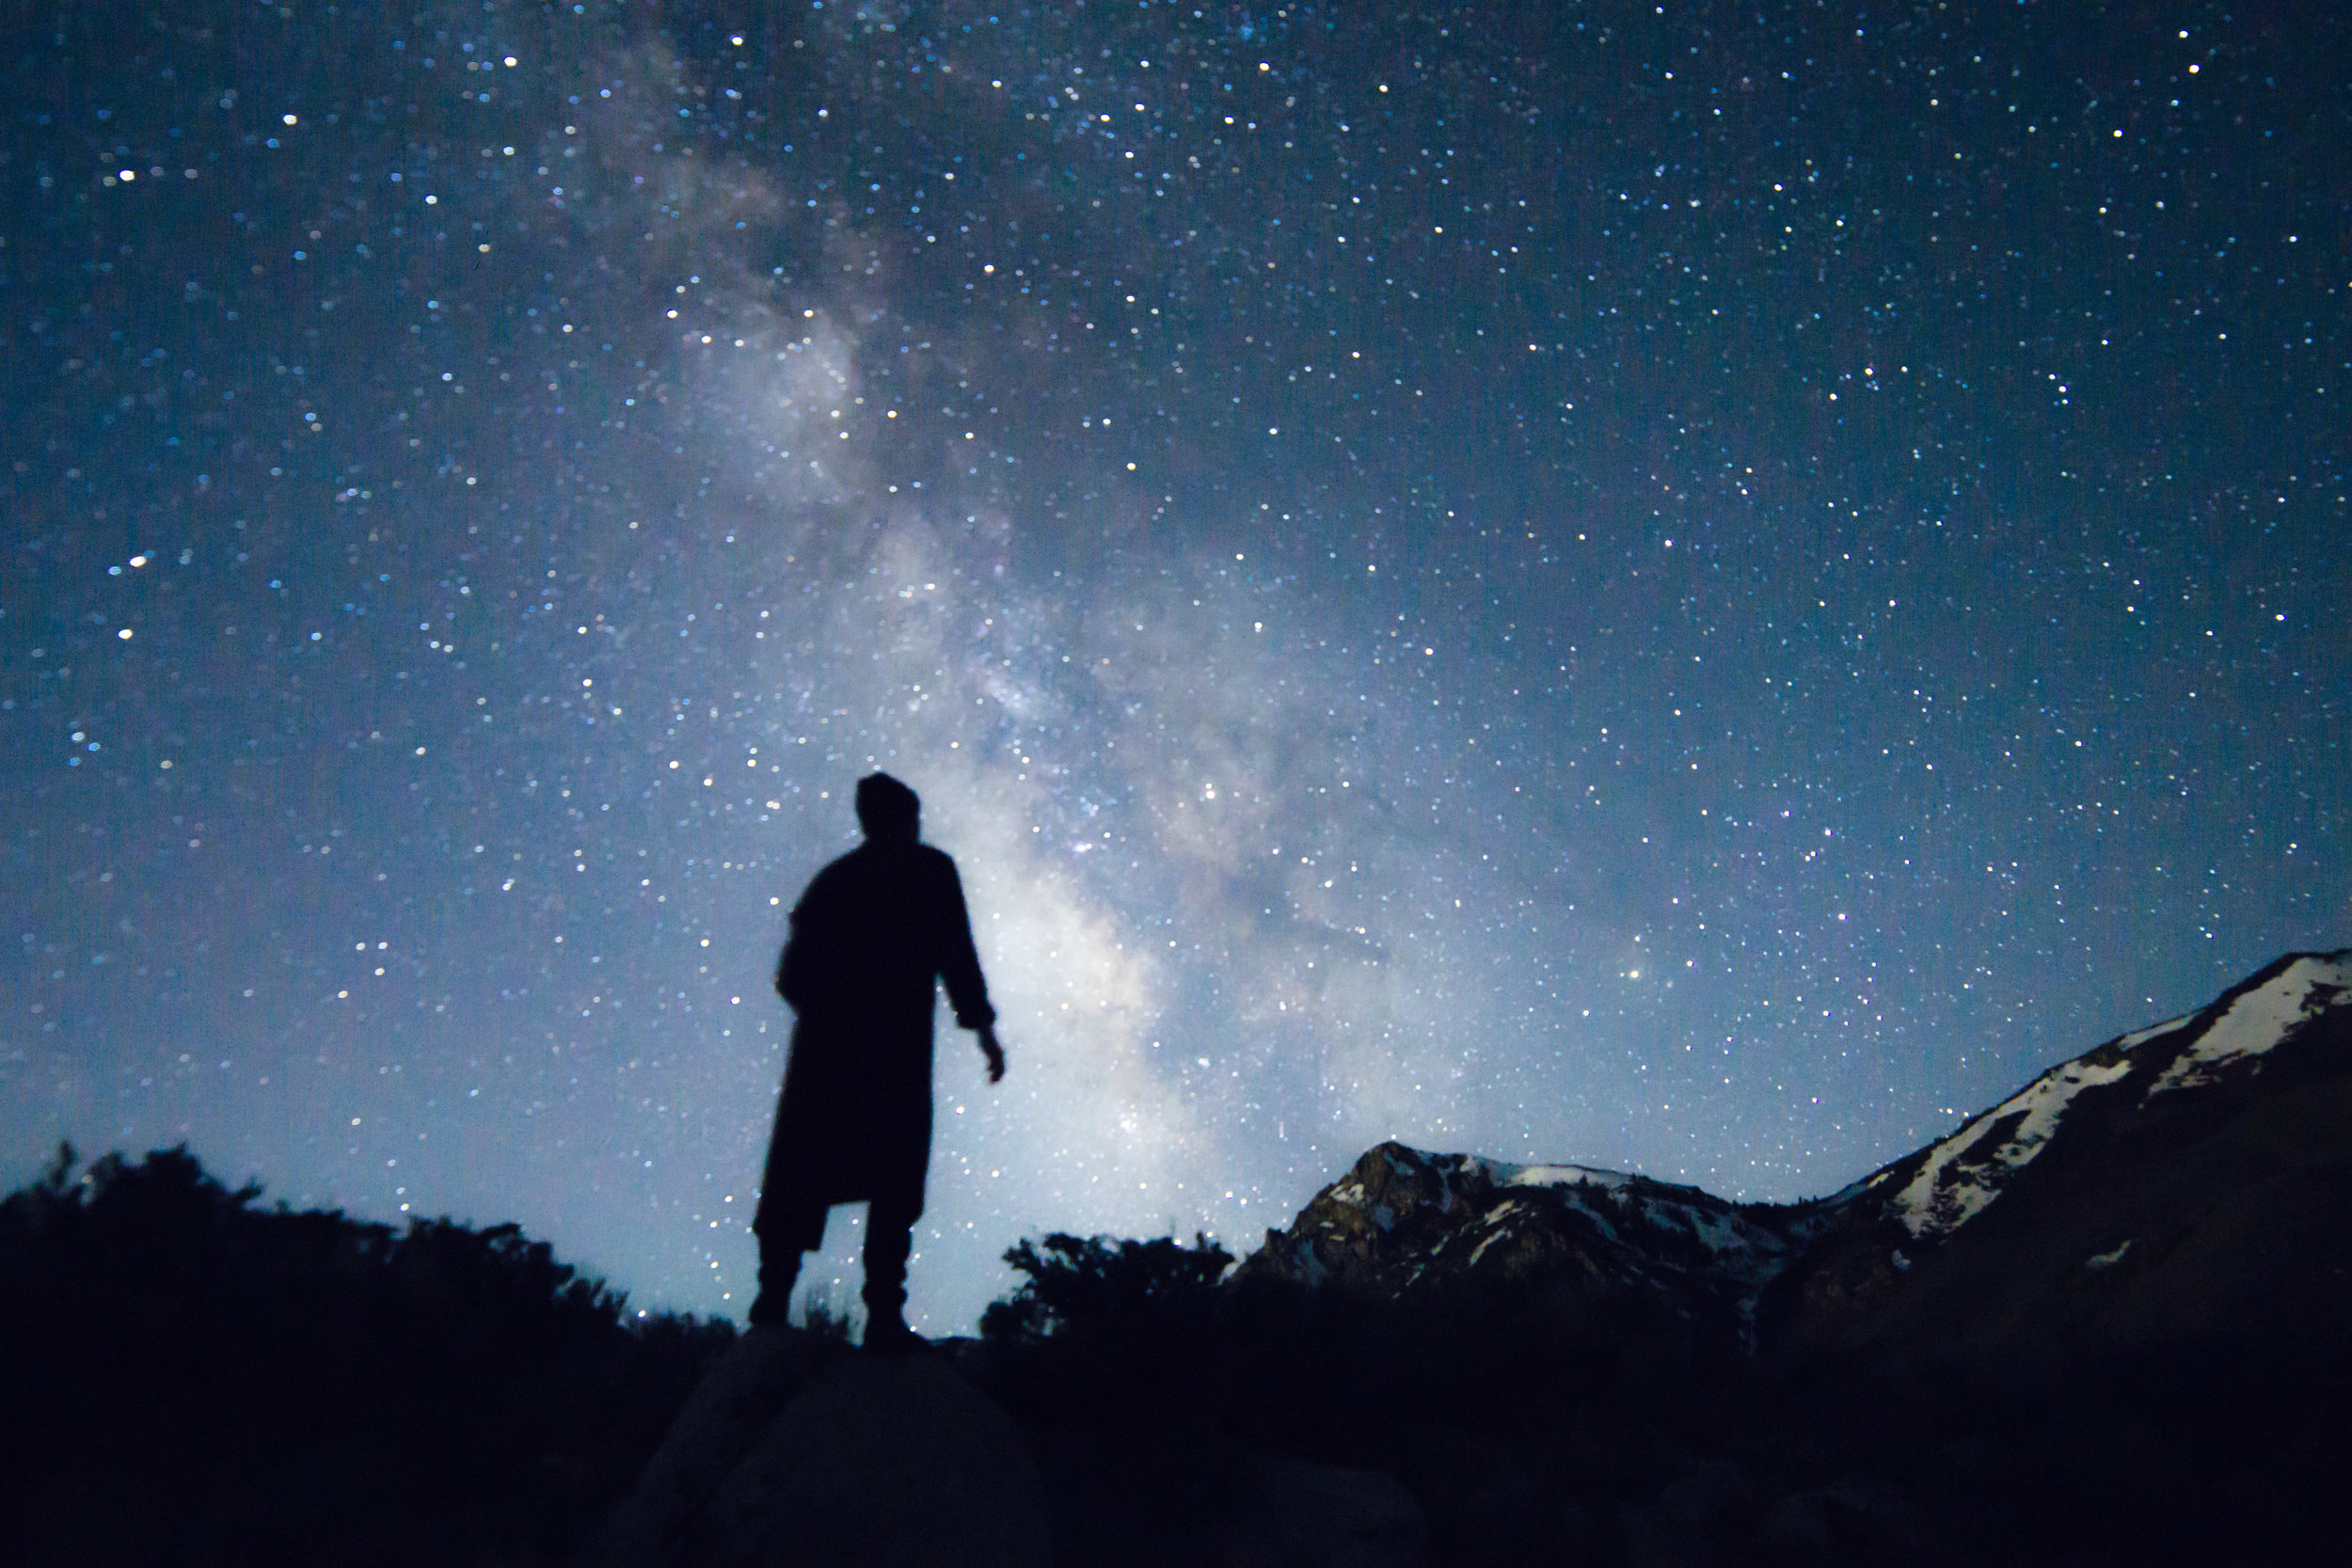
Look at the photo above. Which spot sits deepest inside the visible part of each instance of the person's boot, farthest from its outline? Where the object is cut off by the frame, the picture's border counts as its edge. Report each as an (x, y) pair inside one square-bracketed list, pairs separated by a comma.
[(777, 1276), (887, 1334)]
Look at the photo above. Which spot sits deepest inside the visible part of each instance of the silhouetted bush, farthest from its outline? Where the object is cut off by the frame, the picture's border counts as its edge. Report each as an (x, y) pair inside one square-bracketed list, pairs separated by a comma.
[(194, 1378), (1101, 1285), (1107, 1332)]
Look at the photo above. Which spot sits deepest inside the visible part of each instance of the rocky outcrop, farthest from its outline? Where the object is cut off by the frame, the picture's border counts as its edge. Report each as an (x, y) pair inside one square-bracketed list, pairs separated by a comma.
[(795, 1450), (1295, 1514), (1403, 1221)]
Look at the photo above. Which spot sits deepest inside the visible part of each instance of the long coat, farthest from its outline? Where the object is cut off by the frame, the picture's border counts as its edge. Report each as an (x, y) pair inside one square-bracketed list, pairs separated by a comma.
[(870, 939)]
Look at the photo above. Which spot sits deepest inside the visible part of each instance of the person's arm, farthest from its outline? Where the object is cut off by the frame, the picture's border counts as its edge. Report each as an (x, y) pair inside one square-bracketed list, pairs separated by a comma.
[(959, 967), (808, 968), (792, 966)]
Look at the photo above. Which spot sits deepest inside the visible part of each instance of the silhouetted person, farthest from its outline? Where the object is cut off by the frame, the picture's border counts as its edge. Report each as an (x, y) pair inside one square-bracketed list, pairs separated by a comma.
[(872, 936)]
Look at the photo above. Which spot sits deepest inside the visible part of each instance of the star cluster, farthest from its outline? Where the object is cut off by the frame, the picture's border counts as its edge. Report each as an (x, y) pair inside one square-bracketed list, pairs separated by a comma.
[(1673, 586)]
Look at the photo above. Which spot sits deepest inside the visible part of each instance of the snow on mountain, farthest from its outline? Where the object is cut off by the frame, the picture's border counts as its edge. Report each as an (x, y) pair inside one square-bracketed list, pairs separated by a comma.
[(2260, 1018), (1402, 1220), (1955, 1181), (1955, 1178), (2177, 1183)]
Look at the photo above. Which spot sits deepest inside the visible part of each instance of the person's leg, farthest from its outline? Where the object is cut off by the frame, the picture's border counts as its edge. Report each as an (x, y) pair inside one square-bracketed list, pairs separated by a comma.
[(779, 1271), (786, 1232), (889, 1241)]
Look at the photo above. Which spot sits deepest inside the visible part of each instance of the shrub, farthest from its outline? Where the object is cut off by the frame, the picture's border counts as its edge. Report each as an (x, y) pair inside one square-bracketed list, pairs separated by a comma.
[(194, 1378), (1104, 1288)]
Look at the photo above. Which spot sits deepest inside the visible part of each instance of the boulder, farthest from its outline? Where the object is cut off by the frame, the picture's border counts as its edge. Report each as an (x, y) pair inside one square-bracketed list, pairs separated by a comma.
[(1304, 1515), (1853, 1522), (799, 1452)]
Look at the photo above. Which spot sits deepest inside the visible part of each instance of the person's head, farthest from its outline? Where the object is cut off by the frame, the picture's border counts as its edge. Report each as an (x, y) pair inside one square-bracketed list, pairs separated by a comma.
[(887, 809)]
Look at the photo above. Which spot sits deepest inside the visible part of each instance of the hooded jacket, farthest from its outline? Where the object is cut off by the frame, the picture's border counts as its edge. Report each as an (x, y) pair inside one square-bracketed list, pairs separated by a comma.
[(871, 939)]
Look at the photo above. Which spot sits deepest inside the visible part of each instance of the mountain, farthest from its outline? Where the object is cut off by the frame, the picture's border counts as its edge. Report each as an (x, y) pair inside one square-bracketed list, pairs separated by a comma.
[(1403, 1221), (2178, 1182)]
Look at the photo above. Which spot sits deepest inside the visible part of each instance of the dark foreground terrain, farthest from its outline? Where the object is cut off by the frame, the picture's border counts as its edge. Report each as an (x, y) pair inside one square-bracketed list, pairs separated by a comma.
[(193, 1379), (2107, 1321)]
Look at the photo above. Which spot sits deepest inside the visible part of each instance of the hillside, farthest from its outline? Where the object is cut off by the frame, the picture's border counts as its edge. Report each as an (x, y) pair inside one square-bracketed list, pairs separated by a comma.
[(2182, 1183)]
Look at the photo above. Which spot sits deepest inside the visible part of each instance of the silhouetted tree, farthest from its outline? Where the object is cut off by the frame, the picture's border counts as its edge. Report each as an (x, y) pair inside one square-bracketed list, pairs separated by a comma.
[(1102, 1286), (194, 1377)]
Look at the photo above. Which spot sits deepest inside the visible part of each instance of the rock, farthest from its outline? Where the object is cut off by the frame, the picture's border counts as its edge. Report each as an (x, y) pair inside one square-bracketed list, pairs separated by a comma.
[(1853, 1522), (1329, 1517), (898, 1463), (801, 1452), (733, 1406), (1694, 1519)]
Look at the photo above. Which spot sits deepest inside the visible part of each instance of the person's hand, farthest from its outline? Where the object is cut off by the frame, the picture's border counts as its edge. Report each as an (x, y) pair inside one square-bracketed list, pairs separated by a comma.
[(993, 1052)]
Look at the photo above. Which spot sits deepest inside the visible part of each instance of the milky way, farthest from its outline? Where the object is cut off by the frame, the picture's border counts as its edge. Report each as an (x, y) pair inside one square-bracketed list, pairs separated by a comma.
[(1664, 587)]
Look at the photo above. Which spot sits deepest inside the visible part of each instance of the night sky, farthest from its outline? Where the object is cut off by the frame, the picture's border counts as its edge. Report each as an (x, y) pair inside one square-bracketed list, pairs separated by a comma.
[(1699, 588)]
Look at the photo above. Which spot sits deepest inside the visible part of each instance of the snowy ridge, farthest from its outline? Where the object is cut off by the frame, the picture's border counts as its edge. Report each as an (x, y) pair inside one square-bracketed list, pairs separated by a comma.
[(1403, 1218), (2142, 1037), (2260, 1018), (1957, 1177), (1952, 1188), (1738, 1244), (1463, 1181), (1637, 1215), (1552, 1176)]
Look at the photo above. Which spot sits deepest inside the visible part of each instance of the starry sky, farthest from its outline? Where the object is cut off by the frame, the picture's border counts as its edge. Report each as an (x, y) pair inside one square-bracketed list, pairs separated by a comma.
[(1699, 588)]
